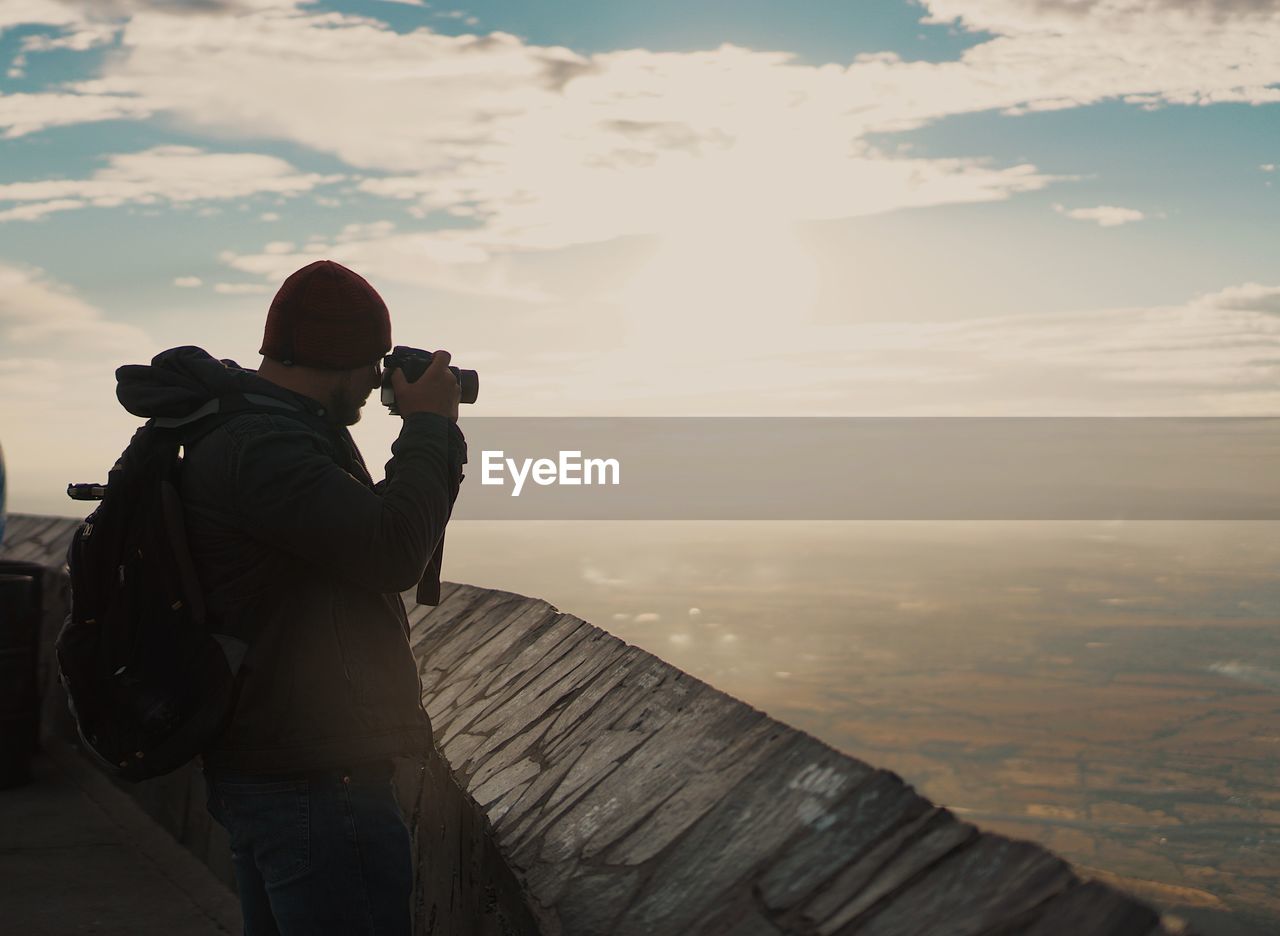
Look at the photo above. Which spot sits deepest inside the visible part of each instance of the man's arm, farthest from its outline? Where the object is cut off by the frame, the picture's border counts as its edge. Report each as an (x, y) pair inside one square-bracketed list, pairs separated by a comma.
[(292, 494)]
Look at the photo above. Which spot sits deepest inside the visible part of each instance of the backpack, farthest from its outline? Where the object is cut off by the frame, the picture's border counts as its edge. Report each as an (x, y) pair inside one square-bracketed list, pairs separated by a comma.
[(149, 681)]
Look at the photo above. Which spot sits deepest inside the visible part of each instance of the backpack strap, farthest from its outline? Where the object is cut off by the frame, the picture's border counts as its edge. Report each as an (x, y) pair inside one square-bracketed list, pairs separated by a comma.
[(232, 404)]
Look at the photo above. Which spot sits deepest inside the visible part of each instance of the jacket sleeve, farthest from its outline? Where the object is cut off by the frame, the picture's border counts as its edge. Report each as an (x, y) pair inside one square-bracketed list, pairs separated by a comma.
[(292, 494)]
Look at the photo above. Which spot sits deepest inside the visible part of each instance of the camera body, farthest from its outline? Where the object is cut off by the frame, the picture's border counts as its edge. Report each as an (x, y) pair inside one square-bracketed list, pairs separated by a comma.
[(414, 362)]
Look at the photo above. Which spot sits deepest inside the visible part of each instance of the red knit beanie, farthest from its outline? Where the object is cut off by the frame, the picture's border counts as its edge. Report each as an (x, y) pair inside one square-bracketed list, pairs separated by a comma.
[(326, 316)]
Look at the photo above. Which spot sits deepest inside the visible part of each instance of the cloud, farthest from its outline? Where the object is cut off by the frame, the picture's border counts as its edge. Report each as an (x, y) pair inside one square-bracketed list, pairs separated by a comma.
[(1217, 354), (70, 13), (188, 282), (1250, 297), (1103, 215), (173, 174), (40, 318), (594, 576), (22, 114), (240, 289), (57, 400), (1011, 17), (539, 146), (445, 260), (35, 212), (1050, 54), (81, 39)]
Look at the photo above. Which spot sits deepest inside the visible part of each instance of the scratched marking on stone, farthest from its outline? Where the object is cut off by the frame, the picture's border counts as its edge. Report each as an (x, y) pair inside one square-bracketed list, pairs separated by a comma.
[(823, 781)]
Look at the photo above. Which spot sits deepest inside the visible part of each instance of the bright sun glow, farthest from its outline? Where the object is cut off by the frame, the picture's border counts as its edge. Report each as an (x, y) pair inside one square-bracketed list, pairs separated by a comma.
[(717, 288)]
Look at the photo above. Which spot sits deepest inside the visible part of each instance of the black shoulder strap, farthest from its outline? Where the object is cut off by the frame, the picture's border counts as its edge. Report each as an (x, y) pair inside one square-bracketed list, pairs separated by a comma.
[(201, 422), (232, 404)]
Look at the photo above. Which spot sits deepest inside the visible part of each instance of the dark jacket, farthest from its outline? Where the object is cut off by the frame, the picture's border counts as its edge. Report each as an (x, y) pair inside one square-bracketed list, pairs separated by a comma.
[(304, 558)]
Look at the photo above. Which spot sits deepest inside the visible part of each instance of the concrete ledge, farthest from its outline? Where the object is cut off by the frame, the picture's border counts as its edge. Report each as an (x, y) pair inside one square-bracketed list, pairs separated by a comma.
[(586, 787)]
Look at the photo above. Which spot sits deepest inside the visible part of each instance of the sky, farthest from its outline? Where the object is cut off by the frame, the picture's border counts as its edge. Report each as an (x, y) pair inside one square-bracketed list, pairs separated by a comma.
[(947, 207)]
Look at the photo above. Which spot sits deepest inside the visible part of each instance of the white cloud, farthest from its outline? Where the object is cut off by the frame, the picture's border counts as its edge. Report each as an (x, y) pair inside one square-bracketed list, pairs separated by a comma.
[(1214, 355), (240, 289), (188, 282), (41, 318), (1066, 53), (1268, 167), (1015, 17), (594, 576), (174, 174), (46, 12), (541, 146), (21, 114), (438, 259), (58, 410), (1102, 215), (1217, 354), (93, 13), (38, 210), (1250, 297), (82, 39)]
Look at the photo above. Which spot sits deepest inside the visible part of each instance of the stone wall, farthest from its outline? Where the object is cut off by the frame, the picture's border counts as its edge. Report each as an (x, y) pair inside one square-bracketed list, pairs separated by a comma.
[(582, 786)]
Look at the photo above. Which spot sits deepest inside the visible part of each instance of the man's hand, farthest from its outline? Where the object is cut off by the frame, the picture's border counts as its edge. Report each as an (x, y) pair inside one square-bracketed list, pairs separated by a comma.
[(436, 391)]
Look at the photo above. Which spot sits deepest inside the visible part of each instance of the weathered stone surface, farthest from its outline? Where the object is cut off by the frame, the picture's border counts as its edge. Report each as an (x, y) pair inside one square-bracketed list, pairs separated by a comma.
[(529, 810), (701, 789), (511, 675), (989, 884), (653, 772), (783, 798), (545, 690), (593, 901), (1094, 909), (503, 781), (43, 540), (737, 918), (910, 850), (861, 819)]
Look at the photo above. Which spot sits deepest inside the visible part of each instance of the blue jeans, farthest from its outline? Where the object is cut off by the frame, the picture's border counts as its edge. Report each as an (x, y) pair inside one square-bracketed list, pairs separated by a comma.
[(317, 854)]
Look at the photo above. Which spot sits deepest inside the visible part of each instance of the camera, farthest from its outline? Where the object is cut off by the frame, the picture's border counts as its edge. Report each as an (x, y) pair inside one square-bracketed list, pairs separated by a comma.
[(414, 362)]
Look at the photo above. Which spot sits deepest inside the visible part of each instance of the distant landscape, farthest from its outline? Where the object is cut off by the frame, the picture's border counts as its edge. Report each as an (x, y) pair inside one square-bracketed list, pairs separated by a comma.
[(1111, 690)]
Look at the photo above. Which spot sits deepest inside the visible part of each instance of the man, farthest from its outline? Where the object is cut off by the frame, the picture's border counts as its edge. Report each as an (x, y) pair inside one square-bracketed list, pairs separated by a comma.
[(302, 556)]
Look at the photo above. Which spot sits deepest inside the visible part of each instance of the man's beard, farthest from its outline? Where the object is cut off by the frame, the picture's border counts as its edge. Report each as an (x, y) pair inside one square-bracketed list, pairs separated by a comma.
[(344, 407)]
